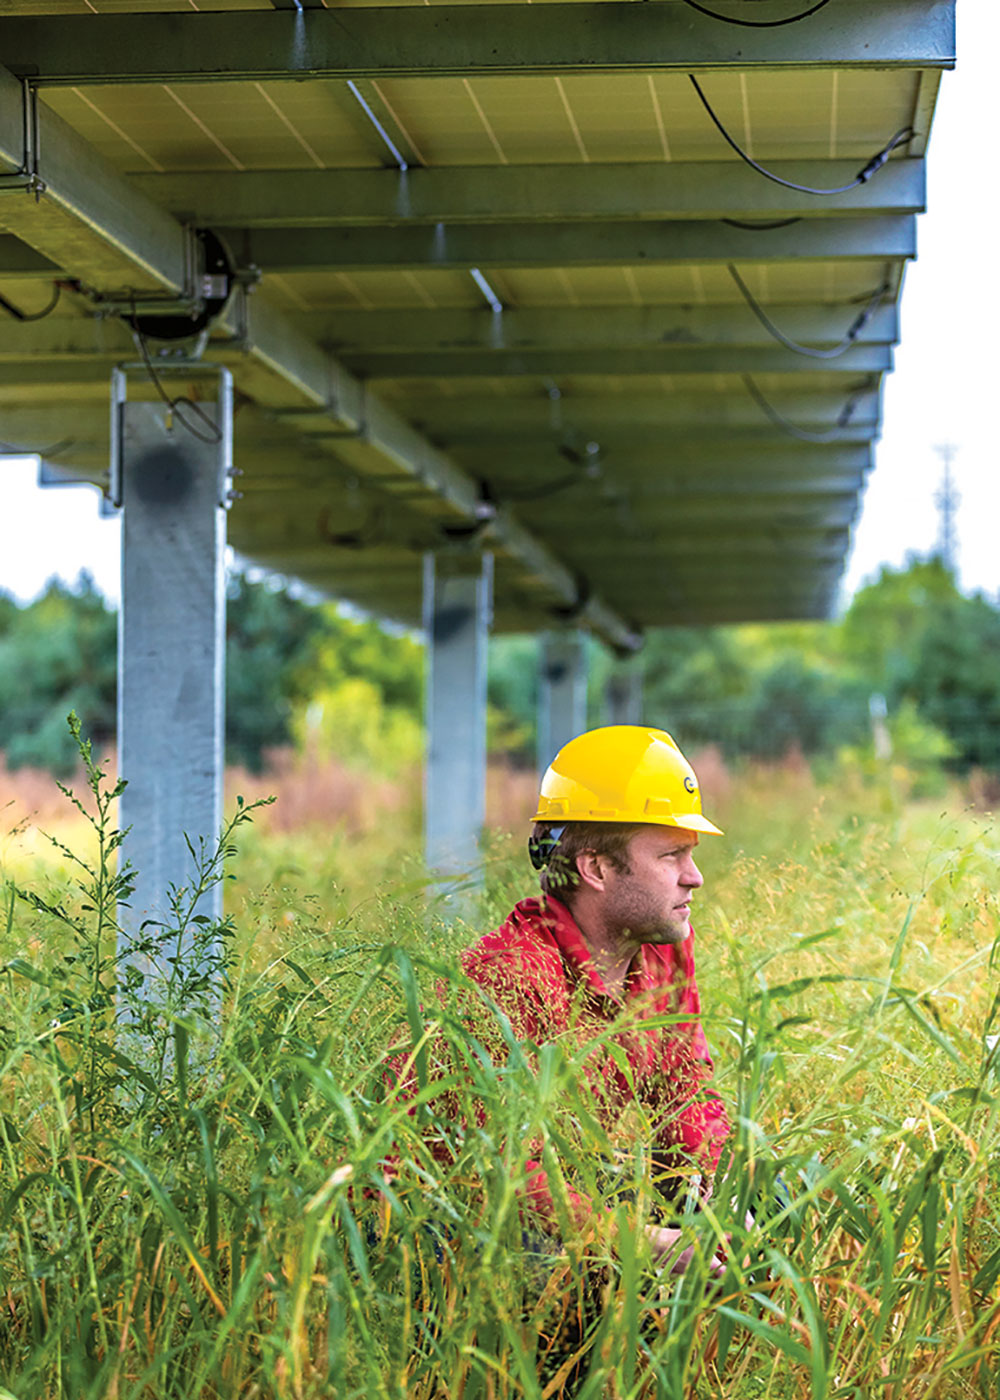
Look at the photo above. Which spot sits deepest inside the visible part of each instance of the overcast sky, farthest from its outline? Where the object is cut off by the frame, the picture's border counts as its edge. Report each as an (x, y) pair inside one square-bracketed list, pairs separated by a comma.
[(943, 390)]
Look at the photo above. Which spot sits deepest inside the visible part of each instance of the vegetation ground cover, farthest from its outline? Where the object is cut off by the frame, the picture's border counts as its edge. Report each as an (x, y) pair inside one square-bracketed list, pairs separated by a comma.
[(339, 686), (194, 1204)]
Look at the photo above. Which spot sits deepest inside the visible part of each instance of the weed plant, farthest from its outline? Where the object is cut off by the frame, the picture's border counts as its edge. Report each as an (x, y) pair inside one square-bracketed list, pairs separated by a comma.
[(297, 1170)]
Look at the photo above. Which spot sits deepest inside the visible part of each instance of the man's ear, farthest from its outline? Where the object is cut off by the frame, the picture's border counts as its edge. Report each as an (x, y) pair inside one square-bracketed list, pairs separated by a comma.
[(592, 869)]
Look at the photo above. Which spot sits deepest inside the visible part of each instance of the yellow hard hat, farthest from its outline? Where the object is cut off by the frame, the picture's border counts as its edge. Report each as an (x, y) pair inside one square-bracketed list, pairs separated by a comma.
[(622, 773)]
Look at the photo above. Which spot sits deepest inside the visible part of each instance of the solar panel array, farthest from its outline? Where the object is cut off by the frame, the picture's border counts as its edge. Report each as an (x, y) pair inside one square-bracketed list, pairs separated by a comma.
[(504, 281)]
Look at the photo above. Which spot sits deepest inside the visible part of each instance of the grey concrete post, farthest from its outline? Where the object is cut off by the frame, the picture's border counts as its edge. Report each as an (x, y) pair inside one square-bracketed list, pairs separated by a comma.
[(623, 695), (562, 692), (457, 614), (173, 488)]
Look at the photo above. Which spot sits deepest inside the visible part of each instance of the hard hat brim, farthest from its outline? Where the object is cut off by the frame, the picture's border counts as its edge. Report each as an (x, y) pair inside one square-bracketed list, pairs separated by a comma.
[(696, 822), (686, 821)]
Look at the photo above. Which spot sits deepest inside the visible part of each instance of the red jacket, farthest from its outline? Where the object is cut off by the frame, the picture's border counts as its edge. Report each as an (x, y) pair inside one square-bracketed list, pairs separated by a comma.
[(539, 971)]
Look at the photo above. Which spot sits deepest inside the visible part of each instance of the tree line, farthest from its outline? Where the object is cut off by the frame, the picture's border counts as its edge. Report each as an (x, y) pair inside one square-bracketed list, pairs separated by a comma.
[(317, 676)]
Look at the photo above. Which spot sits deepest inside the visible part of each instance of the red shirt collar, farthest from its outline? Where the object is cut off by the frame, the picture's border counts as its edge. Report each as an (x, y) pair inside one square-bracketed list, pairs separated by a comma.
[(570, 941)]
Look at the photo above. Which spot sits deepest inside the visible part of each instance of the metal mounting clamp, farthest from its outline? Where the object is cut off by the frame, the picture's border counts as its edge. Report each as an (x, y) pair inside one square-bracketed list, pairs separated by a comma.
[(27, 176), (225, 495)]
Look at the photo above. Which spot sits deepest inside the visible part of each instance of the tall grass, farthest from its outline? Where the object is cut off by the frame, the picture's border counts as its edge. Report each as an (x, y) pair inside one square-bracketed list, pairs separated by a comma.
[(202, 1209)]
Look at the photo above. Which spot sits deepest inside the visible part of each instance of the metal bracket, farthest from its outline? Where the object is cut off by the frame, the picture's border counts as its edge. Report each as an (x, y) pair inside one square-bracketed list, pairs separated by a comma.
[(330, 409), (26, 177), (224, 401), (182, 353), (199, 286), (189, 300), (245, 280), (347, 434)]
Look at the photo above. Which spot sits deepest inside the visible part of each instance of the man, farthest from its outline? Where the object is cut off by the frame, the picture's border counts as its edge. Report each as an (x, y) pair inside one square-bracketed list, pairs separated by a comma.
[(609, 944)]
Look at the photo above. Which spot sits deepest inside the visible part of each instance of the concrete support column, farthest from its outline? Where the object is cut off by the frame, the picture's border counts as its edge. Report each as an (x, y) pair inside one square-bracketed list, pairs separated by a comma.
[(562, 692), (458, 607), (623, 695), (172, 484)]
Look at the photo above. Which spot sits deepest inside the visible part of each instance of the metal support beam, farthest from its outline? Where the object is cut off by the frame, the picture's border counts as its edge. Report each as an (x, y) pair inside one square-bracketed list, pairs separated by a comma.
[(690, 415), (375, 432), (562, 692), (671, 468), (519, 193), (720, 549), (527, 329), (623, 694), (65, 379), (86, 219), (67, 342), (29, 429), (172, 487), (727, 439), (672, 499), (709, 571), (575, 511), (466, 40), (457, 612), (581, 507), (63, 347), (669, 359), (96, 227), (19, 261), (608, 244)]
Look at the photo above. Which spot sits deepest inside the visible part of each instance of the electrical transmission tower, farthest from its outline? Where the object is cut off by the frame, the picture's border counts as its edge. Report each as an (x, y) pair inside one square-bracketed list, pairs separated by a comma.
[(946, 499)]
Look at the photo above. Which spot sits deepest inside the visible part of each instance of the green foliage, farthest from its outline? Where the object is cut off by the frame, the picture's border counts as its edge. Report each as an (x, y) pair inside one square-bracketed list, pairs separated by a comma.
[(349, 688), (922, 641), (955, 678), (910, 636), (8, 611), (56, 654), (883, 629), (350, 721), (512, 691), (757, 691), (349, 646), (269, 635), (338, 685), (59, 653), (797, 705), (362, 689), (920, 755)]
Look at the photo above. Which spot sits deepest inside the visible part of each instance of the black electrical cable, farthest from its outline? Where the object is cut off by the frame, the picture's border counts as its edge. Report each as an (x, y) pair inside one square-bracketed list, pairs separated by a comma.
[(181, 401), (757, 23), (792, 429), (905, 133), (468, 532), (765, 226), (588, 470), (851, 335), (23, 316)]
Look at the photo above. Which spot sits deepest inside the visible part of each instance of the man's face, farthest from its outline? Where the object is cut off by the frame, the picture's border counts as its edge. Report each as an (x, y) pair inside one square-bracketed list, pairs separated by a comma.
[(650, 902)]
